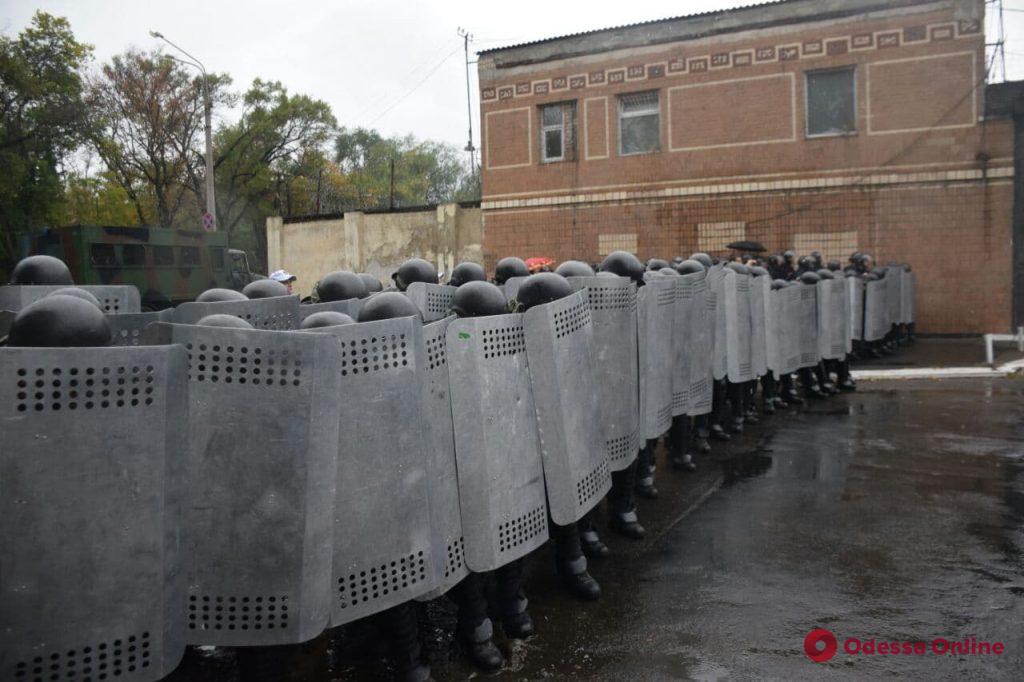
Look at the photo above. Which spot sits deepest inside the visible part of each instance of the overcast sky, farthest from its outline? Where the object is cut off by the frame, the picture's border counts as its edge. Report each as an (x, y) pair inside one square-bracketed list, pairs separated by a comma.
[(394, 66)]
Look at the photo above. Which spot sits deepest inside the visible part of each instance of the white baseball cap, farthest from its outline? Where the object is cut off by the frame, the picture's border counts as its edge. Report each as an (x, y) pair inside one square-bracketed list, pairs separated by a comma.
[(282, 276)]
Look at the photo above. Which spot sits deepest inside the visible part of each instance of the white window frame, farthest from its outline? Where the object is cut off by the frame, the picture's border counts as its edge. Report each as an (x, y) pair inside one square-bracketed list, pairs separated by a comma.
[(544, 129), (636, 114), (807, 109)]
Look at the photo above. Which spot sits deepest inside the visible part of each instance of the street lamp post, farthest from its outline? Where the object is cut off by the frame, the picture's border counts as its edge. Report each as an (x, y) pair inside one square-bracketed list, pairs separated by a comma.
[(211, 202)]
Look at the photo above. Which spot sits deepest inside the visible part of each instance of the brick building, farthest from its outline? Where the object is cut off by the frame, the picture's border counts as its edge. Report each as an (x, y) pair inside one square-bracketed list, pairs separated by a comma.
[(830, 125)]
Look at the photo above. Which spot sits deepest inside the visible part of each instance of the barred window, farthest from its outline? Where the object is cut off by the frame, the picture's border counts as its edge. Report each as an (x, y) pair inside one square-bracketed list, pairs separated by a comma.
[(831, 102), (639, 123), (558, 132)]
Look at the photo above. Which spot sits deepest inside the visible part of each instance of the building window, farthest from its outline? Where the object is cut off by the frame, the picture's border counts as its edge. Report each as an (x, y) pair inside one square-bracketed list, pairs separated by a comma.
[(831, 102), (217, 257), (133, 254), (163, 255), (558, 132), (190, 255), (639, 123), (102, 255)]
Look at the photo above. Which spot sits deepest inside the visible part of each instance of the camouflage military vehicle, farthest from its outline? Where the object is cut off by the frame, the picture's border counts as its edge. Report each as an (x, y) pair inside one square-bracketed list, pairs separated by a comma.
[(167, 266)]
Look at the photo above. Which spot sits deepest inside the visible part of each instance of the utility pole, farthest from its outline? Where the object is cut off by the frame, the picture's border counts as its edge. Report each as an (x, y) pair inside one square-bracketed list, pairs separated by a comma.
[(466, 37), (210, 219), (391, 201)]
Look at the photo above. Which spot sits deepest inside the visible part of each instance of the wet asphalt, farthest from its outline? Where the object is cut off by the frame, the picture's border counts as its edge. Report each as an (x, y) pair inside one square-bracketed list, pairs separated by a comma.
[(894, 513)]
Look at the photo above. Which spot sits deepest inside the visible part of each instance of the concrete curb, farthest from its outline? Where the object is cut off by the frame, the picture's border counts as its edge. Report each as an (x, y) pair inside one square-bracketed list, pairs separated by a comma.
[(939, 372)]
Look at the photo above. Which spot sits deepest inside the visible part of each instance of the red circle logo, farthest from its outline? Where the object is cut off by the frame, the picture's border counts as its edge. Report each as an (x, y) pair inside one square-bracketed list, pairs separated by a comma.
[(820, 645)]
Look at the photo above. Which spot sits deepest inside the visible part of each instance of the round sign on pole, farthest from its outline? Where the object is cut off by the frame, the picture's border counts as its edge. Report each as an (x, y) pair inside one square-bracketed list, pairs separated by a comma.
[(208, 222)]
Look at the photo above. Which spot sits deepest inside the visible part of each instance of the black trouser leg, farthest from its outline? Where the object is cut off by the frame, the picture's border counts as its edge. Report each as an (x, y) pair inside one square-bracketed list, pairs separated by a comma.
[(620, 498), (682, 435), (736, 400), (645, 471), (571, 564), (511, 600), (474, 625), (719, 405), (403, 628)]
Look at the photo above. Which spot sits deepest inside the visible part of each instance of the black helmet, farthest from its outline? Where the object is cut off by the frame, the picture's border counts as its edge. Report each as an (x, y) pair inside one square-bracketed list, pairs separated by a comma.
[(788, 256), (467, 272), (340, 285), (544, 287), (479, 299), (758, 271), (41, 270), (738, 268), (670, 271), (221, 320), (810, 277), (387, 305), (218, 295), (816, 256), (61, 320), (690, 266), (78, 293), (510, 267), (264, 288), (825, 273), (856, 256), (702, 258), (834, 266), (373, 284), (677, 260), (624, 264), (414, 270), (657, 264), (325, 318), (574, 268), (779, 284)]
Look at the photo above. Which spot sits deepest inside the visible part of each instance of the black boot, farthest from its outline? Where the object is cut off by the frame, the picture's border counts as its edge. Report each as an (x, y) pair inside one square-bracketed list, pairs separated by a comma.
[(622, 504), (846, 382), (680, 452), (475, 630), (512, 603), (645, 471), (403, 628), (593, 548), (572, 565)]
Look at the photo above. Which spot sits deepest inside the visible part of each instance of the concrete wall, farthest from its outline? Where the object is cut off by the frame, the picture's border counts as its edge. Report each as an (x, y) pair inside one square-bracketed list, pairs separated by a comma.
[(376, 243)]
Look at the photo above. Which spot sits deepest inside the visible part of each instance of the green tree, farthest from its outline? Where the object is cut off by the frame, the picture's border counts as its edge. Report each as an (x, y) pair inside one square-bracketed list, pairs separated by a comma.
[(42, 121)]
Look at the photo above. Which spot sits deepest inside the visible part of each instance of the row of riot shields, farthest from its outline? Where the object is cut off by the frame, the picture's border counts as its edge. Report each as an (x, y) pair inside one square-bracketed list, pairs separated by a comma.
[(883, 303), (222, 486)]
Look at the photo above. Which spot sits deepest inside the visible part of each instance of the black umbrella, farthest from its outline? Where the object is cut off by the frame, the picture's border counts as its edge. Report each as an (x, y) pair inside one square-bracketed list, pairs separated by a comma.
[(753, 247)]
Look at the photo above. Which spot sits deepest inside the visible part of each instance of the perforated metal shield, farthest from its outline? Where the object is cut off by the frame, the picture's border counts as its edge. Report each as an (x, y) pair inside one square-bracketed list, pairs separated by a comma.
[(448, 545), (91, 488), (760, 287), (791, 332), (350, 307), (113, 298), (776, 318), (907, 301), (511, 287), (701, 338), (716, 289), (616, 372), (655, 319), (383, 542), (690, 300), (560, 353), (893, 293), (433, 300), (6, 320), (739, 362), (501, 473), (262, 456), (855, 305), (278, 312), (810, 353), (876, 311), (832, 318), (126, 328), (826, 309)]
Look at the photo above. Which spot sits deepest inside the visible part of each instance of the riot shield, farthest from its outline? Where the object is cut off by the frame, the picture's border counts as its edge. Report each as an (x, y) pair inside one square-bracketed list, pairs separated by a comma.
[(701, 337), (433, 300), (716, 291), (831, 318), (448, 546), (350, 307), (736, 289), (383, 542), (760, 287), (790, 346), (855, 298), (262, 455), (126, 328), (810, 352), (907, 298), (560, 357), (690, 301), (893, 293), (278, 312), (876, 312), (616, 373), (113, 298), (655, 306), (501, 473), (91, 493), (511, 287), (840, 319), (776, 319)]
